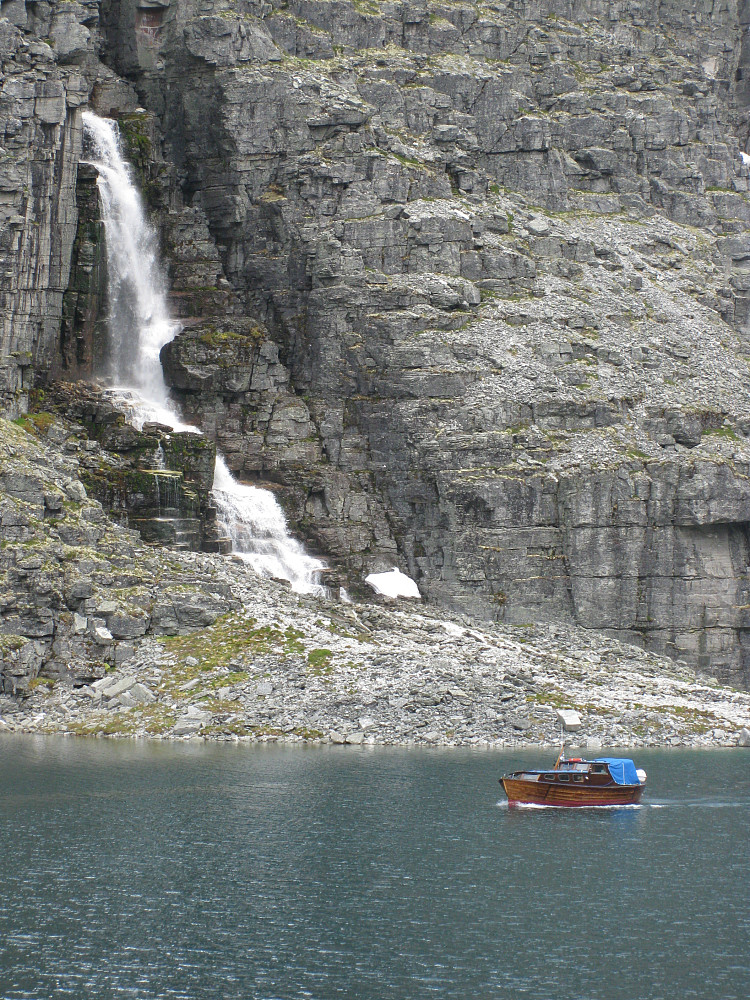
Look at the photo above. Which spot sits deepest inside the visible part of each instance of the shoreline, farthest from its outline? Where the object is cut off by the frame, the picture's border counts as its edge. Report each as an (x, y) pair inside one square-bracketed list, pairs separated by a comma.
[(113, 637), (294, 669), (290, 742)]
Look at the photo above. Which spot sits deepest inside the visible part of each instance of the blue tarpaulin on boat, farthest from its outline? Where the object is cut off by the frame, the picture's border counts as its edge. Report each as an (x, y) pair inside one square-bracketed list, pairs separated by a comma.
[(621, 768)]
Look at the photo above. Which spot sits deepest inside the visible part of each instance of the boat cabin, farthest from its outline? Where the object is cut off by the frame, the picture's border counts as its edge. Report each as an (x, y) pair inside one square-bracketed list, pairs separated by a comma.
[(576, 771)]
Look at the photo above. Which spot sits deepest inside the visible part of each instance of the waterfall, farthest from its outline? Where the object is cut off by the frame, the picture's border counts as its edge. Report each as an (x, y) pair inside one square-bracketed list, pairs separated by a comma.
[(139, 325), (254, 521)]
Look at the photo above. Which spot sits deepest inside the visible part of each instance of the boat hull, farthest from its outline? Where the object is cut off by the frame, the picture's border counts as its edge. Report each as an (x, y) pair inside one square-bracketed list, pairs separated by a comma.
[(544, 793)]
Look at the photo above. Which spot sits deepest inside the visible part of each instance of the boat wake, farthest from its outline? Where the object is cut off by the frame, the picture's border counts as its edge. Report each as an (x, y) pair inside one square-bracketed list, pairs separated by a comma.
[(636, 805), (528, 806), (693, 804)]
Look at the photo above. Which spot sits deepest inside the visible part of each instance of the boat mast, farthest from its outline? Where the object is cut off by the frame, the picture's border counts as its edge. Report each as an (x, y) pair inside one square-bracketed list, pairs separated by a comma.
[(561, 755), (570, 721)]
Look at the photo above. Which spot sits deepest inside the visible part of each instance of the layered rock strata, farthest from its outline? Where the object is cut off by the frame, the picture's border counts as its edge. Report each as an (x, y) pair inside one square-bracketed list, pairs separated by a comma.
[(102, 635), (155, 480), (501, 252), (468, 282), (76, 589), (290, 669), (48, 67)]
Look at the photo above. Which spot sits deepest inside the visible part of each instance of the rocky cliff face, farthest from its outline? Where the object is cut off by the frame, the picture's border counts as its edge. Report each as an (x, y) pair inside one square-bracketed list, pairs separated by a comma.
[(469, 281), (77, 592), (48, 69)]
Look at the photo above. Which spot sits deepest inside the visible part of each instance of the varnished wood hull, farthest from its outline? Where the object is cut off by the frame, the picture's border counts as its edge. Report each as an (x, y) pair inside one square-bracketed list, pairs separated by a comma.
[(543, 793)]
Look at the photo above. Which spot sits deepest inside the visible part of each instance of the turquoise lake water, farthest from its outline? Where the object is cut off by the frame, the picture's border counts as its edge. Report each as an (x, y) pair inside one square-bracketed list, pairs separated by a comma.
[(175, 871)]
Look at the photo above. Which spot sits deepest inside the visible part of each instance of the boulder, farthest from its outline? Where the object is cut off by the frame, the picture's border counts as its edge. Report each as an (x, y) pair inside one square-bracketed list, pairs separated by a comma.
[(141, 694), (130, 623), (568, 719), (70, 37), (186, 727), (522, 723), (116, 688), (20, 662)]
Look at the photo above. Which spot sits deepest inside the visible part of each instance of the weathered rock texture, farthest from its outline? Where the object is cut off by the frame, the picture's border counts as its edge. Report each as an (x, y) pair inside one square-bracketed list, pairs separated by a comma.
[(470, 280), (76, 589), (155, 480), (295, 669), (100, 634), (500, 252), (47, 58)]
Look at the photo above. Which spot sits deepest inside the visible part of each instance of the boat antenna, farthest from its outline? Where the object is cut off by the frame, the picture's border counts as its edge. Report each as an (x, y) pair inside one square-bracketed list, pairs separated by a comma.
[(561, 755)]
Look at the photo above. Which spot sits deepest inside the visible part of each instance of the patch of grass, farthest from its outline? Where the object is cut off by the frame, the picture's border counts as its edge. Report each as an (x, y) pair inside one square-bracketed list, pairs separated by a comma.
[(308, 734), (407, 161), (335, 629), (230, 636), (237, 727), (265, 730), (157, 719), (37, 682), (722, 432), (697, 719), (118, 724), (212, 337), (274, 192), (10, 642), (291, 638), (319, 660), (228, 680), (218, 705), (550, 697), (36, 423)]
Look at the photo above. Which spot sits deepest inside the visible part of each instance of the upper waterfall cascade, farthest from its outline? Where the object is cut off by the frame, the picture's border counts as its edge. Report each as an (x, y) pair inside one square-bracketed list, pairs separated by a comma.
[(139, 326)]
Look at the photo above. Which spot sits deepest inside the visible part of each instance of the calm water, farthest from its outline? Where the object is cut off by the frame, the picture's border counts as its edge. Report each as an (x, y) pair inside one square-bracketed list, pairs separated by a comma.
[(215, 872)]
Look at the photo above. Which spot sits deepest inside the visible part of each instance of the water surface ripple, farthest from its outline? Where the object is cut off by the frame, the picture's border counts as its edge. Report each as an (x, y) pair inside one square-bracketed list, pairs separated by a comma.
[(189, 872)]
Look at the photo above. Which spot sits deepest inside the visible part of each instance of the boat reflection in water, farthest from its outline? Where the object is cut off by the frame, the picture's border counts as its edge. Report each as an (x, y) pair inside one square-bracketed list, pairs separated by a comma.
[(606, 781)]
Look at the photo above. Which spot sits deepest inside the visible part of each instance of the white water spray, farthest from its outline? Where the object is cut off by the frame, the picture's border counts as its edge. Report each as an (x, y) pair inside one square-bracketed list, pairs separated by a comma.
[(139, 326), (254, 521), (139, 321)]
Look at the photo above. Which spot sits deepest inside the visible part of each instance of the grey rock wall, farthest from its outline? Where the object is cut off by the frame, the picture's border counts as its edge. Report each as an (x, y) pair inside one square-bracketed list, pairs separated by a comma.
[(501, 254), (76, 589), (48, 67), (470, 283), (155, 480)]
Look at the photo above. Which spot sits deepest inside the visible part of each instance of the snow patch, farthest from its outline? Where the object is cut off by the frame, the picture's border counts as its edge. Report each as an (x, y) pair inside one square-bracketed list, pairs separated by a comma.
[(393, 584)]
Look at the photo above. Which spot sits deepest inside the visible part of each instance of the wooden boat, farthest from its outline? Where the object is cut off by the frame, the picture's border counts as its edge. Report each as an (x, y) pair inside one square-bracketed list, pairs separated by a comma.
[(606, 781)]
